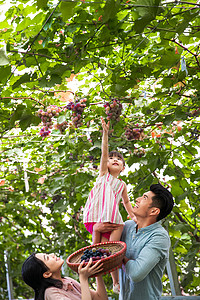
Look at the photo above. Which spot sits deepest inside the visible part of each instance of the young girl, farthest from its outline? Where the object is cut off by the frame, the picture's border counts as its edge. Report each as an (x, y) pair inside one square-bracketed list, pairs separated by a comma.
[(103, 201)]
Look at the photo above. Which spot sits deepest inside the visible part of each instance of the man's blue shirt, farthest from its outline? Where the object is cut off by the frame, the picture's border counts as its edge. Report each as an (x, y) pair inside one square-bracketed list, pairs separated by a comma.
[(147, 251)]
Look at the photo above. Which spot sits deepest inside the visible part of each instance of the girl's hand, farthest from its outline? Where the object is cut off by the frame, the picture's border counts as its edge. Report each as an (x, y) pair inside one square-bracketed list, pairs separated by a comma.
[(104, 125), (89, 269)]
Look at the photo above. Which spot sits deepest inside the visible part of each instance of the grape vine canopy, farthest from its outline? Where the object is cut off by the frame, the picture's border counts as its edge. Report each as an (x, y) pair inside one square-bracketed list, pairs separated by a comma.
[(63, 64)]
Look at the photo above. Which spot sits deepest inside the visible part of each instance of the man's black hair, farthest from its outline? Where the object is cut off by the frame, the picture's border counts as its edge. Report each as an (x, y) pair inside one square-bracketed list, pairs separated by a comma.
[(163, 199)]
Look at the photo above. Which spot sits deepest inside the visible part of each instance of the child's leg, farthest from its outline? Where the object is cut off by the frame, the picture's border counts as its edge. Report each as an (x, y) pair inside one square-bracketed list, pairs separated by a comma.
[(115, 236), (96, 237), (100, 237), (103, 239), (115, 277)]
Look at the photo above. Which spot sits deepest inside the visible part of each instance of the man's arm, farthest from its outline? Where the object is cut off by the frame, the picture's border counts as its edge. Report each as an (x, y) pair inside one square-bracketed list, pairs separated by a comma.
[(105, 227), (149, 256)]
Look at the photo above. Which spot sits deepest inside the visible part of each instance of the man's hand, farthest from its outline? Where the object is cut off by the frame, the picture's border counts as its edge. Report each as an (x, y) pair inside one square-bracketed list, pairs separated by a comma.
[(125, 260), (105, 227)]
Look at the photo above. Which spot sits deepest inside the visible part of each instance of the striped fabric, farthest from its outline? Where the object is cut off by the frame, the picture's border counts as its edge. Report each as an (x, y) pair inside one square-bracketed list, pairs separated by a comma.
[(103, 202)]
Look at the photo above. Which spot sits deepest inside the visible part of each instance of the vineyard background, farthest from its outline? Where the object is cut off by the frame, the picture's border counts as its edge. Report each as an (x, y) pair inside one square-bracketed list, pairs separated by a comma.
[(142, 54)]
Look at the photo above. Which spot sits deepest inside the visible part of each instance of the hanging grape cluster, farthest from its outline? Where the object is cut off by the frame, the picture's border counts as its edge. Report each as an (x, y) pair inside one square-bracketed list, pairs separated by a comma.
[(139, 152), (134, 133), (46, 117), (77, 109), (113, 110), (44, 132), (61, 126), (195, 112)]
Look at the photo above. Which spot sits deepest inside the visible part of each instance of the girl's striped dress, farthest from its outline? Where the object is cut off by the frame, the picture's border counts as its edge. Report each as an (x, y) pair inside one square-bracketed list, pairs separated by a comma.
[(103, 202)]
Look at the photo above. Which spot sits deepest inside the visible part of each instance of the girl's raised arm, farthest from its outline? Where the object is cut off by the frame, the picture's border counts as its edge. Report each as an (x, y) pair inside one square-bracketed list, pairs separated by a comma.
[(104, 148)]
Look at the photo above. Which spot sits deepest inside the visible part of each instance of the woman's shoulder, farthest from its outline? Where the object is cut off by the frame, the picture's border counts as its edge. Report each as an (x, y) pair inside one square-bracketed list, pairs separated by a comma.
[(52, 293), (70, 280)]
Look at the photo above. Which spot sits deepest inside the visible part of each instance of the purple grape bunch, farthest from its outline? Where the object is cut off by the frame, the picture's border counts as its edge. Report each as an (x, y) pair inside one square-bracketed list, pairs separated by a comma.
[(61, 126), (113, 109), (139, 152), (195, 112), (134, 133), (95, 254), (43, 132), (46, 118), (77, 109)]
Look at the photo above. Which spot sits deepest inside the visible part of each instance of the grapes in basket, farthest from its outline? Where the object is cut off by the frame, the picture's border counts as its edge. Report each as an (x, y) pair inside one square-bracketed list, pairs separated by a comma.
[(96, 254)]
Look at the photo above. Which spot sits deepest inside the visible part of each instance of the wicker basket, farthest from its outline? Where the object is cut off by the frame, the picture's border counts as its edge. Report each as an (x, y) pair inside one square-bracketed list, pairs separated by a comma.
[(110, 263)]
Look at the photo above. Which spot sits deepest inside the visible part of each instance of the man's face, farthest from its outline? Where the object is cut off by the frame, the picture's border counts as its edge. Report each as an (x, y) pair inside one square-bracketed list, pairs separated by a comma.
[(143, 205)]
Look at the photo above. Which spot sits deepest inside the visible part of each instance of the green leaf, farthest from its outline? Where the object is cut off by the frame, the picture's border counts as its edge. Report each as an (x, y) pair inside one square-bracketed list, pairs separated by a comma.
[(110, 9), (24, 78), (3, 57), (169, 58), (145, 183), (180, 114), (79, 64), (24, 116), (67, 9), (168, 119), (4, 73), (41, 3), (147, 10)]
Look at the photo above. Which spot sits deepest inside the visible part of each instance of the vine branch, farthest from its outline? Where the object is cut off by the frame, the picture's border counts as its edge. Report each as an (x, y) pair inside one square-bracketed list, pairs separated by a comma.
[(34, 54), (197, 238), (20, 98), (186, 49)]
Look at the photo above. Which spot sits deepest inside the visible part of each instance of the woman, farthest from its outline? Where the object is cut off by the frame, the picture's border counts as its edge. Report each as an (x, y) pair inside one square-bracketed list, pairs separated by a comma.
[(42, 272)]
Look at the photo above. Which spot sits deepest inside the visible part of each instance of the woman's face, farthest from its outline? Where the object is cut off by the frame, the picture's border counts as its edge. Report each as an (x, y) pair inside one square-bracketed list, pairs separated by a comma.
[(52, 262)]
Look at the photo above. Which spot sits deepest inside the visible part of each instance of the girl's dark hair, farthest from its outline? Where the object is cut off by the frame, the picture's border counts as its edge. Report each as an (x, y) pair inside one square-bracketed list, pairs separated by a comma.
[(163, 199), (117, 154), (32, 273)]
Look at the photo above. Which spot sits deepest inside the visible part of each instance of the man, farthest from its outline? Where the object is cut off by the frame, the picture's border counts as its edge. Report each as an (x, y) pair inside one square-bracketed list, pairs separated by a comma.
[(148, 246)]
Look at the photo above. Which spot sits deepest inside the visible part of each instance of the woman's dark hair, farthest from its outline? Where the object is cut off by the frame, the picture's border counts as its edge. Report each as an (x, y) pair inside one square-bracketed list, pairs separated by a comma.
[(117, 154), (32, 273), (163, 199)]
